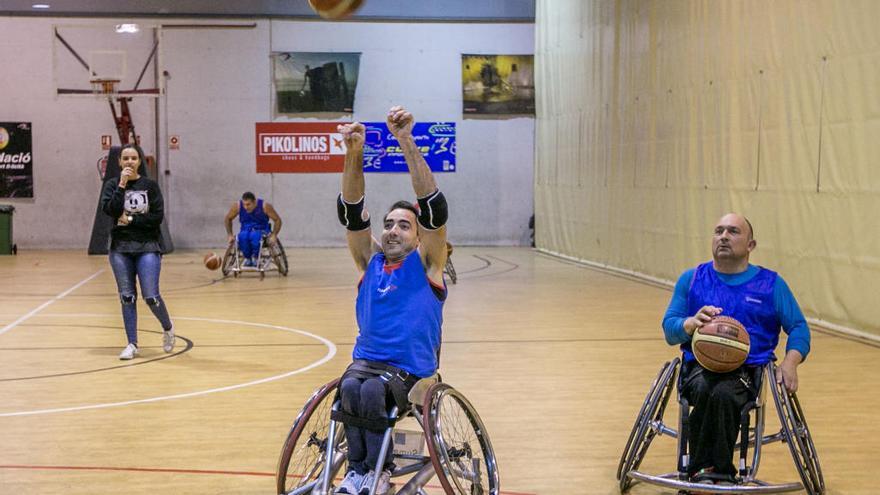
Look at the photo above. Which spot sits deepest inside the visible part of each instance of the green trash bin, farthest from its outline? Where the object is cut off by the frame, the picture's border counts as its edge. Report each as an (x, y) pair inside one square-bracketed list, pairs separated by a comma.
[(6, 244)]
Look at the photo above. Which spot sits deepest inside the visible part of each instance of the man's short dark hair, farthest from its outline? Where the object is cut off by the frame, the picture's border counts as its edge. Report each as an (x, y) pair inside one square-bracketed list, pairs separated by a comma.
[(248, 196), (402, 205)]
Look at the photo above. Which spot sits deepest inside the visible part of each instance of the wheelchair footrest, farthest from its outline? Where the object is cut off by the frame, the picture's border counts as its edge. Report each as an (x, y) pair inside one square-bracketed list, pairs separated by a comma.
[(671, 481)]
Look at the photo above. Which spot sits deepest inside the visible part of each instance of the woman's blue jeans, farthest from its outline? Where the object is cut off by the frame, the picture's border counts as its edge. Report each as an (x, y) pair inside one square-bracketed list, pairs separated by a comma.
[(145, 267)]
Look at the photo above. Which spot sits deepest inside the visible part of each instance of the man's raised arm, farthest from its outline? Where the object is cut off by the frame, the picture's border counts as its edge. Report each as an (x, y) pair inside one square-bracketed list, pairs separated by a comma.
[(350, 203), (432, 204)]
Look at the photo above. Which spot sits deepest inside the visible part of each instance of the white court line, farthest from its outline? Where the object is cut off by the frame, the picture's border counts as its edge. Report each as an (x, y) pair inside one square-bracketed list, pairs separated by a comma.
[(47, 303), (331, 351)]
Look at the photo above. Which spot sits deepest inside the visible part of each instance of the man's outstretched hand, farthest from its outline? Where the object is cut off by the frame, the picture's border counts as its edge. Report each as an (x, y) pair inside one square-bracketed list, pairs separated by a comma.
[(400, 122), (352, 134)]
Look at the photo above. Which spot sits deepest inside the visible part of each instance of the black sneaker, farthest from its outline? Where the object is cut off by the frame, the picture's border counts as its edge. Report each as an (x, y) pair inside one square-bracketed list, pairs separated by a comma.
[(708, 477)]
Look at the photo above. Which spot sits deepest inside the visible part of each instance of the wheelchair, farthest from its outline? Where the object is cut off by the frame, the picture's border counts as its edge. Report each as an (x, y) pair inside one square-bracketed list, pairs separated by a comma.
[(449, 269), (270, 257), (794, 432), (459, 451)]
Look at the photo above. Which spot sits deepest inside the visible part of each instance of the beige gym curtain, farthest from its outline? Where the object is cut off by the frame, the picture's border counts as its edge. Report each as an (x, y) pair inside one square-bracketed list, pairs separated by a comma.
[(656, 117)]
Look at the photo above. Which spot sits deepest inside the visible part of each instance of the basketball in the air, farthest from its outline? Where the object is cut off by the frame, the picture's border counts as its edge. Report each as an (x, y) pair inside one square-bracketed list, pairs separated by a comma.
[(722, 345), (335, 9), (212, 261)]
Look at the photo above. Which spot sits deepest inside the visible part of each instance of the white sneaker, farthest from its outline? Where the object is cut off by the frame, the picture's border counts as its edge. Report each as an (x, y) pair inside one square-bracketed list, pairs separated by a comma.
[(129, 352), (351, 484), (168, 340), (383, 487)]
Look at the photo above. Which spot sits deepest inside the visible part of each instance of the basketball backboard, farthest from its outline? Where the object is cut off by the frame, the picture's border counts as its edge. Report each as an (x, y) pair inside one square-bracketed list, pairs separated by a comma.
[(127, 53)]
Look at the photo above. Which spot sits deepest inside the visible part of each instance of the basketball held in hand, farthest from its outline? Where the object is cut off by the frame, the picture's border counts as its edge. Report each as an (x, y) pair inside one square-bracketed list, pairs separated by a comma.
[(722, 345), (335, 9), (212, 261)]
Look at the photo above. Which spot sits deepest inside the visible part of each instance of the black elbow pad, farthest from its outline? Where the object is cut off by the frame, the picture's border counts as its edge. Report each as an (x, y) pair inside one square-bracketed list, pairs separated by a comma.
[(433, 211), (353, 216)]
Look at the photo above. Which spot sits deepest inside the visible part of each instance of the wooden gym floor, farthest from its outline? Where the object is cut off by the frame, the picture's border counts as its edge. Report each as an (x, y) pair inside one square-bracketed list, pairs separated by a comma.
[(556, 357)]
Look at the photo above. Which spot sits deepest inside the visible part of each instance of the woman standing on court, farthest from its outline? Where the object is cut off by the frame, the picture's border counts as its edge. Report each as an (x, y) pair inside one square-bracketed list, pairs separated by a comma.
[(136, 203)]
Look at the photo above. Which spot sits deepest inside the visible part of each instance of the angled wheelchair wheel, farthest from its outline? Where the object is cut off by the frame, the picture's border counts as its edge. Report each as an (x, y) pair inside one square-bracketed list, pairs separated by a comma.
[(304, 455), (279, 256), (450, 270), (649, 415), (797, 436), (458, 443), (228, 260)]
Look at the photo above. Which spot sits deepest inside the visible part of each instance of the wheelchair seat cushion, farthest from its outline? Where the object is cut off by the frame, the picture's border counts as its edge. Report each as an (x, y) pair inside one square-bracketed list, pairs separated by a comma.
[(418, 392)]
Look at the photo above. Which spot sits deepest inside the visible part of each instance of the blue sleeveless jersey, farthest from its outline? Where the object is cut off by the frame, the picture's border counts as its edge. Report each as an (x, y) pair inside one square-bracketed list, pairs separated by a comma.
[(255, 220), (399, 316), (751, 303)]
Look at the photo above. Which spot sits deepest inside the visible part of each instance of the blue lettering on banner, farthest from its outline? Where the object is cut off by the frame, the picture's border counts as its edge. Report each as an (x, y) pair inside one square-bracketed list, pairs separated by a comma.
[(436, 141)]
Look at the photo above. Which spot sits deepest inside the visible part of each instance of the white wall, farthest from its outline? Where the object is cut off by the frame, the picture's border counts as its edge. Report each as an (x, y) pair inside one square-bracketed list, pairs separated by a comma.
[(66, 138), (220, 85)]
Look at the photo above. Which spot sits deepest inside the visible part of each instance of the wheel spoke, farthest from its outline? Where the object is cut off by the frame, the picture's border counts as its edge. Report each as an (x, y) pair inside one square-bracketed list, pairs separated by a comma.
[(466, 461), (796, 434), (305, 452), (649, 423)]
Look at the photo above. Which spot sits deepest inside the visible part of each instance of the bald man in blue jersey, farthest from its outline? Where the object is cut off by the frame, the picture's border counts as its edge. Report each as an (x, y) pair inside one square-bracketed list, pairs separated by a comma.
[(761, 300), (254, 215), (400, 298)]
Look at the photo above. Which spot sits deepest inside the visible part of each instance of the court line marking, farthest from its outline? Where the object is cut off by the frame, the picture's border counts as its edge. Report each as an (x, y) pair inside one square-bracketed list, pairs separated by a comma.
[(331, 351), (176, 470), (223, 293), (513, 266), (816, 324), (47, 303), (128, 364)]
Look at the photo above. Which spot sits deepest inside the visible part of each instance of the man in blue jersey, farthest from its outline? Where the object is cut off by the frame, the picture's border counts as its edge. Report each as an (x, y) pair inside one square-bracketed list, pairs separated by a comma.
[(399, 303), (254, 215), (761, 300)]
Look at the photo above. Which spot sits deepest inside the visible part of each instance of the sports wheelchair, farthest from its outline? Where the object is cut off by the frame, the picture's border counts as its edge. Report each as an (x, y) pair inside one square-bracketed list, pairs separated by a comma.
[(794, 432), (271, 257), (449, 269), (459, 450)]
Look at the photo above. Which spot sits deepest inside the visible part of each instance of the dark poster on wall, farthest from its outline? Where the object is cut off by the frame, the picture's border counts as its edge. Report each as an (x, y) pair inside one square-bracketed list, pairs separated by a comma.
[(498, 84), (16, 160), (310, 82)]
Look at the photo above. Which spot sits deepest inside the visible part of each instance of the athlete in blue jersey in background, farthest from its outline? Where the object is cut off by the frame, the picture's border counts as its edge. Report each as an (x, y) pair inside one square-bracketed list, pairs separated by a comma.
[(400, 298), (761, 301), (254, 215)]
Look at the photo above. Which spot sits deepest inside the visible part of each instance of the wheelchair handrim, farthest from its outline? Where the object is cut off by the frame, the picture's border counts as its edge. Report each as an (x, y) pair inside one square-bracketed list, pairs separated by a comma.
[(293, 437), (440, 456), (642, 435), (798, 438)]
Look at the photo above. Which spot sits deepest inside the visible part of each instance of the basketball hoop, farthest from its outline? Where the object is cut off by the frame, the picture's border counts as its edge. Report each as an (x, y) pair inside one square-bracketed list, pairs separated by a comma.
[(102, 86)]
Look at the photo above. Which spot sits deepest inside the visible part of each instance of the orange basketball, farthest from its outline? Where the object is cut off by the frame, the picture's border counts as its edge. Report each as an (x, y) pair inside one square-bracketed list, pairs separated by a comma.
[(721, 345), (335, 9), (212, 261)]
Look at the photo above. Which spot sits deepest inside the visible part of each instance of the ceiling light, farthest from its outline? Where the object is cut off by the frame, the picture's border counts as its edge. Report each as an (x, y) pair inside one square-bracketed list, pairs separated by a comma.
[(40, 6), (127, 28)]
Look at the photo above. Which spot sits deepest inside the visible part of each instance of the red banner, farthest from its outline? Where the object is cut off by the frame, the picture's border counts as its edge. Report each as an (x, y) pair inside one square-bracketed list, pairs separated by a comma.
[(299, 147)]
